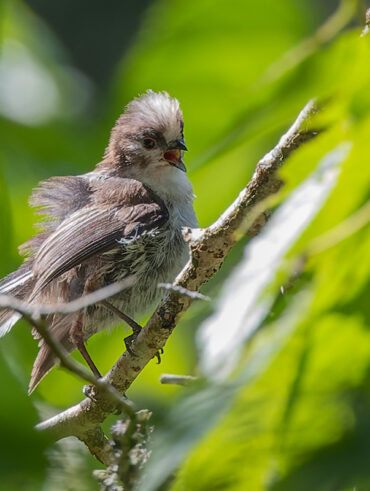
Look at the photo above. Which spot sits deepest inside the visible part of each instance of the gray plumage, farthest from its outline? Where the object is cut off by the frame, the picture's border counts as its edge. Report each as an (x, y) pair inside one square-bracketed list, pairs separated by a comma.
[(123, 219)]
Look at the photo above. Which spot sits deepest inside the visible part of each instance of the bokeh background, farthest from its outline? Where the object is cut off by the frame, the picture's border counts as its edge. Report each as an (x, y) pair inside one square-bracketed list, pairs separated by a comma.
[(242, 70)]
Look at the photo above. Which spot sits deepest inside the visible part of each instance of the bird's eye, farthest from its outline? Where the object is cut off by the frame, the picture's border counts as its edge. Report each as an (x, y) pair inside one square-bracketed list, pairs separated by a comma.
[(149, 143)]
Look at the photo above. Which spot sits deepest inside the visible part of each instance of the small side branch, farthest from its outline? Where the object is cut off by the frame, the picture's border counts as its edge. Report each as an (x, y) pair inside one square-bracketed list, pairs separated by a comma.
[(184, 291), (34, 314), (171, 379), (36, 310)]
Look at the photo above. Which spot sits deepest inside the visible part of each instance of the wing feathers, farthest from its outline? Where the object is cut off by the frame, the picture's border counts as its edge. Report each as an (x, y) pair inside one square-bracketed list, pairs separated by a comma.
[(18, 284), (58, 197), (93, 230)]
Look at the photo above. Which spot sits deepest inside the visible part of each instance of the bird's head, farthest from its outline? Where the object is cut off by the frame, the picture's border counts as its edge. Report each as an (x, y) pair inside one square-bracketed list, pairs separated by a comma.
[(149, 136)]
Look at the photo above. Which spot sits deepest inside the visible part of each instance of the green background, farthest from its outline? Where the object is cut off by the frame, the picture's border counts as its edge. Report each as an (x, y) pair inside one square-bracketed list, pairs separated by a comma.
[(242, 71)]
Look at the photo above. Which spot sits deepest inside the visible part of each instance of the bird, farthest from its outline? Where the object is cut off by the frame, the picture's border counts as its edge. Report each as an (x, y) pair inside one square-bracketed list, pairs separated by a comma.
[(122, 219)]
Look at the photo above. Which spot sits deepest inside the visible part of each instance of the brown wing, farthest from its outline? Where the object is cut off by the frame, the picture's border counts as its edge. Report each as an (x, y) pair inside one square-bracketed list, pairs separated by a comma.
[(93, 230)]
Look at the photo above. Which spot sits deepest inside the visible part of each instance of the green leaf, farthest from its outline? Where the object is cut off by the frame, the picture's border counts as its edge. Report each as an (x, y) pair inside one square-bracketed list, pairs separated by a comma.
[(5, 227)]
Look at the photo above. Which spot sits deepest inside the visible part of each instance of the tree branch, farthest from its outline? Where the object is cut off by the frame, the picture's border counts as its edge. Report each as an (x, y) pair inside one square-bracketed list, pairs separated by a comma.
[(34, 314), (208, 248)]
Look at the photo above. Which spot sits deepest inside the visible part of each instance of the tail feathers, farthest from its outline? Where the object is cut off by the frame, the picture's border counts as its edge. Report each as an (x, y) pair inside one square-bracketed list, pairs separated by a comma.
[(45, 359), (44, 362), (18, 284)]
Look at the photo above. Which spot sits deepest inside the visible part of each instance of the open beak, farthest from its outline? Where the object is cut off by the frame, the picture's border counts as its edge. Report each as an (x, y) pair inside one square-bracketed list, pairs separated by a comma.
[(174, 157)]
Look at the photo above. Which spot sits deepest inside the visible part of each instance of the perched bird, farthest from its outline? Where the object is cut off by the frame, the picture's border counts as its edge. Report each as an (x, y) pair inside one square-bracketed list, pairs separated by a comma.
[(122, 219)]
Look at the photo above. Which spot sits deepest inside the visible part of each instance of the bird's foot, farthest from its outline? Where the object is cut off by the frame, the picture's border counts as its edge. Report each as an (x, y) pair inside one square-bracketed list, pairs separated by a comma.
[(158, 355), (129, 340)]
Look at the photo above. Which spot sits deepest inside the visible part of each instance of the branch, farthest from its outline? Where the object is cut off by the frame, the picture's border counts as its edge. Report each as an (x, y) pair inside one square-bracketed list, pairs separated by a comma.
[(184, 291), (171, 379), (94, 437), (38, 310), (208, 248)]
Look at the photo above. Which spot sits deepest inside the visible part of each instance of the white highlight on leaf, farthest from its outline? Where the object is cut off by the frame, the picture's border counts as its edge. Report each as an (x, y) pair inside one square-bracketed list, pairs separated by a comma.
[(28, 93), (33, 92), (242, 307)]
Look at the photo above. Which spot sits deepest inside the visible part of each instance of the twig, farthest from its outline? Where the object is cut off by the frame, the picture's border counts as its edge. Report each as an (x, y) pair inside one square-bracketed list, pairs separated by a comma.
[(208, 248), (170, 379), (130, 446), (184, 291), (38, 310), (94, 436)]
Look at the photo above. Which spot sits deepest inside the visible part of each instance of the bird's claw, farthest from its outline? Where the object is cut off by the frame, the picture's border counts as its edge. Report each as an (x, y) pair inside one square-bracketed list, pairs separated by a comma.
[(128, 343), (129, 340), (158, 355)]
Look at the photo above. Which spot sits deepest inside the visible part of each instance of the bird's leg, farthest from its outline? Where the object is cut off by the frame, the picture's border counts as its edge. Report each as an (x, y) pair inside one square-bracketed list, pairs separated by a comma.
[(136, 328), (77, 339)]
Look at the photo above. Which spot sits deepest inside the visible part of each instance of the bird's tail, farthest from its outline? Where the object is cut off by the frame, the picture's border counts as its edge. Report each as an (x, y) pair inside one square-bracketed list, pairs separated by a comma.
[(20, 285), (45, 360)]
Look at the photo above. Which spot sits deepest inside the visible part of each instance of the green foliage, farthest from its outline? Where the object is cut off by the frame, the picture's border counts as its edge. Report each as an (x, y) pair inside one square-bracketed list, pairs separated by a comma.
[(301, 422), (5, 224), (291, 411)]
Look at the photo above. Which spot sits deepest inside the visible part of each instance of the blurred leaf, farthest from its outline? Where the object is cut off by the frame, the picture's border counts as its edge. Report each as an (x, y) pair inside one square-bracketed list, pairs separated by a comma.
[(201, 409), (22, 449), (308, 406), (5, 227), (220, 53), (243, 306), (37, 84)]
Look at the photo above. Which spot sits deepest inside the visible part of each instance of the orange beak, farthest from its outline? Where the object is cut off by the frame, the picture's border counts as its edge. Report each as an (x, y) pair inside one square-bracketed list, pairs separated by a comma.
[(173, 157)]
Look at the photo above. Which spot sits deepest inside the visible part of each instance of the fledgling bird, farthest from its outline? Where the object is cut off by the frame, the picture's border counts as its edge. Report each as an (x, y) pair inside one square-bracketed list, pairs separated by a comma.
[(122, 219)]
